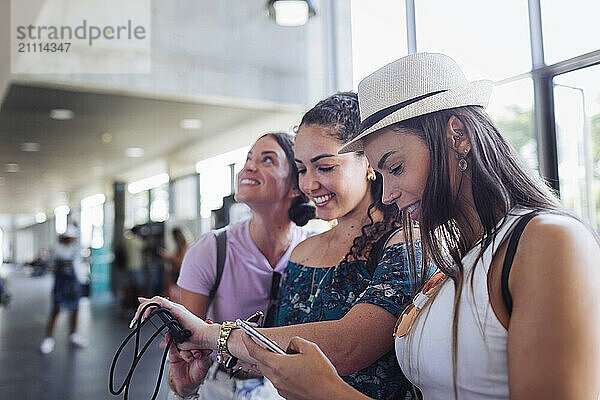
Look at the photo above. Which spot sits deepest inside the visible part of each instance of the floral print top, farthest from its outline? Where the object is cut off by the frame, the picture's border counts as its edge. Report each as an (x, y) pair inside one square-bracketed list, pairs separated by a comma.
[(335, 290)]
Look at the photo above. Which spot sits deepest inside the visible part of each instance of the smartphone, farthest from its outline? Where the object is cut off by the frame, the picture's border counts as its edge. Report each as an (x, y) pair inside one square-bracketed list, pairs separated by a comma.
[(259, 337)]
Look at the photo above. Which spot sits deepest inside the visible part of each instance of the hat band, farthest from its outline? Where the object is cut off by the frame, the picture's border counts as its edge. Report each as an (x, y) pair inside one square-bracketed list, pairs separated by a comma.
[(381, 114)]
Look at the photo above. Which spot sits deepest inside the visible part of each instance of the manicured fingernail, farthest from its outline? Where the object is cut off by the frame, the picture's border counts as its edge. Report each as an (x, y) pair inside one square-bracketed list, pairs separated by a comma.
[(132, 323)]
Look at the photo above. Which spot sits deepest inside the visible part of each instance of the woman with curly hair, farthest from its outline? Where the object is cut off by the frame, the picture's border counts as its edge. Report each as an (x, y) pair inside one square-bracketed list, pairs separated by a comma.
[(343, 288), (513, 311)]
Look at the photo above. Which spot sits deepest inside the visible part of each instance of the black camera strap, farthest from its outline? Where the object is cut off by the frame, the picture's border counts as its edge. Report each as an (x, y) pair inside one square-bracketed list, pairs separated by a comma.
[(178, 334)]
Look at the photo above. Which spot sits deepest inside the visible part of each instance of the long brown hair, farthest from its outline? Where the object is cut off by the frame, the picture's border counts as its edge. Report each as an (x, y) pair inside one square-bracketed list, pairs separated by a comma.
[(500, 181)]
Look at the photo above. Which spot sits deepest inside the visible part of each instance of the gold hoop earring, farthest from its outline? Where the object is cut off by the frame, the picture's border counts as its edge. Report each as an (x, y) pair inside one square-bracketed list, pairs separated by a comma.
[(371, 175)]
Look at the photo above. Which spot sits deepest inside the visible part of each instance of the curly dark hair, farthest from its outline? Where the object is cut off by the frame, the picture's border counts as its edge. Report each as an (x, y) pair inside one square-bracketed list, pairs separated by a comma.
[(340, 113)]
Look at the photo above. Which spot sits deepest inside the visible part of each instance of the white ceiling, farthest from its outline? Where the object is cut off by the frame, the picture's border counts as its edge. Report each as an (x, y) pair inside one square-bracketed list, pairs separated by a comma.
[(73, 158)]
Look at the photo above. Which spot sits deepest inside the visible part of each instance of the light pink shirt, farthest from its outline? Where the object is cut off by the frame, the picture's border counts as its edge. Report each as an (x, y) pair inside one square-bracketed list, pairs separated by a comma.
[(247, 275)]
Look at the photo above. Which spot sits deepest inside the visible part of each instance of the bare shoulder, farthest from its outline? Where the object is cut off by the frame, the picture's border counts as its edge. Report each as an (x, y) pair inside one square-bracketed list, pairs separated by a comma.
[(554, 326), (306, 248), (551, 234), (399, 237), (556, 248)]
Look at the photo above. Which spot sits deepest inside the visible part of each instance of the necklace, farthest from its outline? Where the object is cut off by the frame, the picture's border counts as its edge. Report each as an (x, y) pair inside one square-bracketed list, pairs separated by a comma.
[(313, 296)]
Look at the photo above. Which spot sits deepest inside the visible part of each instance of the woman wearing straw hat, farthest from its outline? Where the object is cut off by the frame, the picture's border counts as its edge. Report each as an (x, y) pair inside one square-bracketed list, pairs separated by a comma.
[(343, 288), (513, 310)]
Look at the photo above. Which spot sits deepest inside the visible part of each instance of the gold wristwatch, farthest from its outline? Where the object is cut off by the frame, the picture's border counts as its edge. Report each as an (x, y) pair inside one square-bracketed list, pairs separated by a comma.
[(224, 357)]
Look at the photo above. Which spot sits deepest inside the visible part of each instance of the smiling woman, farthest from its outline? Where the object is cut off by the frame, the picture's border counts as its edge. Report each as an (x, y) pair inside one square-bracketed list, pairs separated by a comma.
[(257, 250), (514, 310), (343, 288)]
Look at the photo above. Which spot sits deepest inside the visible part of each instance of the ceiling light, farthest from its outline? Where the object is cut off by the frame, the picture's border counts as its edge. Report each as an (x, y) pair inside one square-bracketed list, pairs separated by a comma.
[(106, 137), (30, 146), (11, 167), (93, 200), (134, 152), (40, 217), (61, 114), (147, 183), (62, 210), (190, 123), (290, 12)]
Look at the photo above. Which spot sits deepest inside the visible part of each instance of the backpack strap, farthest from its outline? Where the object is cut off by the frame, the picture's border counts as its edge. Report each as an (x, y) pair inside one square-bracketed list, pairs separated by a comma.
[(510, 255), (221, 236)]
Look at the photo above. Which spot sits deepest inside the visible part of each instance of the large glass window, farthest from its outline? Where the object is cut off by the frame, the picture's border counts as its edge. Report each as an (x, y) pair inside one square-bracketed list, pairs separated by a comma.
[(24, 246), (159, 203), (1, 246), (378, 35), (569, 28), (577, 110), (185, 198), (215, 178), (511, 108), (92, 221), (141, 207), (488, 39), (60, 218), (214, 185)]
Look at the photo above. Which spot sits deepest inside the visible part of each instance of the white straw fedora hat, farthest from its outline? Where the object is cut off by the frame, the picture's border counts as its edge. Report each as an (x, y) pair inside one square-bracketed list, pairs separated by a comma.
[(411, 86)]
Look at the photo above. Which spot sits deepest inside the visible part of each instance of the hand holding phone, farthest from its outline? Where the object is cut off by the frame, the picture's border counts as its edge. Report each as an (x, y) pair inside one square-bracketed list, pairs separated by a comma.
[(259, 337)]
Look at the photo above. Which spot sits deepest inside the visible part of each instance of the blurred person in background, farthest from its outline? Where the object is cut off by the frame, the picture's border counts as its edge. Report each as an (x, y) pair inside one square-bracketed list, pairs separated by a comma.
[(133, 257), (174, 261), (67, 288)]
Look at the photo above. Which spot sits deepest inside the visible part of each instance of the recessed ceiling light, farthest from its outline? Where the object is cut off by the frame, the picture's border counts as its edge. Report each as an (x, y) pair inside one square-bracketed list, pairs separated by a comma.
[(11, 167), (190, 123), (30, 146), (134, 152), (61, 114), (98, 170), (106, 137)]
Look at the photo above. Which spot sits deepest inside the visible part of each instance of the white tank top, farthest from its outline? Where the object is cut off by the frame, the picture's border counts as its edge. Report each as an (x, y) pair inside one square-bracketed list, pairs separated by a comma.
[(425, 353)]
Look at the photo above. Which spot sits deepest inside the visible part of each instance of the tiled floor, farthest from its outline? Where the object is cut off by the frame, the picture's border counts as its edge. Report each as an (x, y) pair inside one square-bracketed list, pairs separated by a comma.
[(68, 373)]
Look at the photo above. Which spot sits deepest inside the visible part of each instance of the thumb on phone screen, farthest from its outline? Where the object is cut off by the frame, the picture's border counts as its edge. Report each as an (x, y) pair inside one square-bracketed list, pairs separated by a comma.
[(299, 345)]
